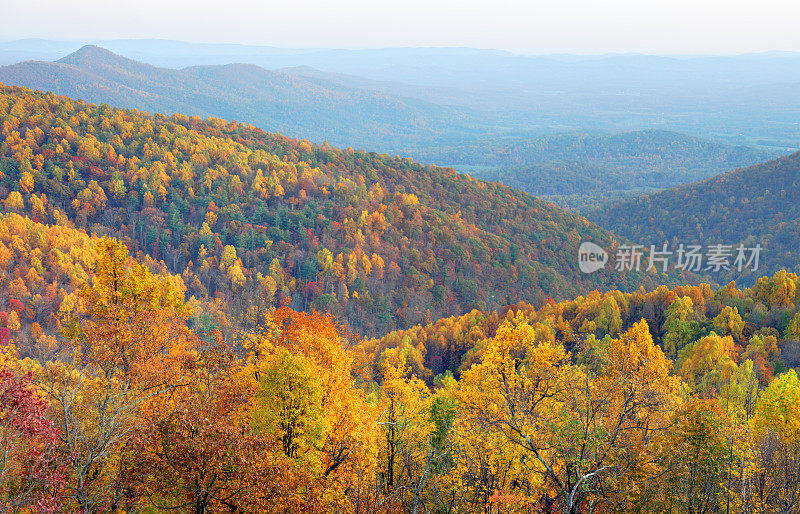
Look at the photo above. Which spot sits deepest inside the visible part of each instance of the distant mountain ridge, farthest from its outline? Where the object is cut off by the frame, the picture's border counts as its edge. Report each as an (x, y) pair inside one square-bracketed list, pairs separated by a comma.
[(311, 108), (525, 94), (664, 148)]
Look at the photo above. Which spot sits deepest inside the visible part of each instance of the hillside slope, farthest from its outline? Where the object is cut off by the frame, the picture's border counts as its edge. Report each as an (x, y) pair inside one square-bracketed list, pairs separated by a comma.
[(755, 205), (381, 242), (40, 267)]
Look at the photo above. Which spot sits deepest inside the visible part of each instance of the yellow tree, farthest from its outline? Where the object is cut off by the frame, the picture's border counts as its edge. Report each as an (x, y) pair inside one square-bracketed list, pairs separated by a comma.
[(128, 338), (593, 428), (697, 460), (729, 322), (707, 365), (415, 426), (511, 396), (306, 396), (777, 428)]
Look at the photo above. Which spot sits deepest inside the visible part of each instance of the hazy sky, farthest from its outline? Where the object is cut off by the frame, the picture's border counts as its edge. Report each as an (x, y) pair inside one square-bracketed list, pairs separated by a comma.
[(583, 26)]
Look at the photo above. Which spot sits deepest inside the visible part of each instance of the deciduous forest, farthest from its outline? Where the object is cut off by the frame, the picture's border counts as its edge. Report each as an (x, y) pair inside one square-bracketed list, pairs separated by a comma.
[(679, 399), (200, 316), (379, 241)]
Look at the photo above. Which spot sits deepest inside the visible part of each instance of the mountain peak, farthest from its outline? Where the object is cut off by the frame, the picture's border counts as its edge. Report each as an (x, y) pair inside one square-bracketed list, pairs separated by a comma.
[(92, 54)]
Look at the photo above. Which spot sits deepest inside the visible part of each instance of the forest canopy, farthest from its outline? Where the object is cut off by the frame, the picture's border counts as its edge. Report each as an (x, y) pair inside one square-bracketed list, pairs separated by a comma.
[(199, 316)]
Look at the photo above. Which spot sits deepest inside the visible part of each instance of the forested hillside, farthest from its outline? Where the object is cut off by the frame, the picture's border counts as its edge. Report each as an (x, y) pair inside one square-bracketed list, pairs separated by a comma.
[(676, 319), (651, 150), (41, 266), (378, 241), (707, 372), (755, 205)]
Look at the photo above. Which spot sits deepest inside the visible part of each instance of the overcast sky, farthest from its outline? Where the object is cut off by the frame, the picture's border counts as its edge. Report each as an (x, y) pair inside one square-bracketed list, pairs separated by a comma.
[(533, 26)]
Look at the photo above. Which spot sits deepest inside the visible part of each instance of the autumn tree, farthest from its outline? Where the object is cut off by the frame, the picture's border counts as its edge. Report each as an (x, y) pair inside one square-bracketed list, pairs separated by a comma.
[(591, 430), (777, 422), (31, 476), (193, 450), (304, 377), (128, 338), (697, 461)]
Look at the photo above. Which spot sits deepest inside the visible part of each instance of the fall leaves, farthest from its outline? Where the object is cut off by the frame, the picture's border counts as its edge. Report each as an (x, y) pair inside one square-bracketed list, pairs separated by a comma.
[(570, 408), (377, 241), (140, 411), (31, 474), (589, 431)]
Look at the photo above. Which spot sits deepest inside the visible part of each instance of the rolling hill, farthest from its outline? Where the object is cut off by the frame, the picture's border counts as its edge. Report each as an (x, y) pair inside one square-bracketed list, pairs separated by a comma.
[(380, 242), (755, 205)]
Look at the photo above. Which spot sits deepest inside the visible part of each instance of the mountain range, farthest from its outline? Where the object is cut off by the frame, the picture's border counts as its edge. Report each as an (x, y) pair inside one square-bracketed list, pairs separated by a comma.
[(529, 94), (307, 107), (576, 169)]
